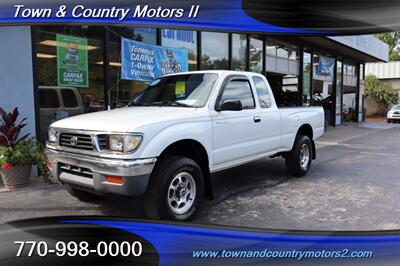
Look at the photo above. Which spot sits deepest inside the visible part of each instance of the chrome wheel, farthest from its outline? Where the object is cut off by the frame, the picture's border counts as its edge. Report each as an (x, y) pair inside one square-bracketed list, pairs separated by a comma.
[(304, 156), (181, 193)]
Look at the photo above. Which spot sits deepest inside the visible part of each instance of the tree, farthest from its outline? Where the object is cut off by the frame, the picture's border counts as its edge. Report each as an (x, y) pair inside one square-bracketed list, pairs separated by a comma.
[(381, 91), (393, 40)]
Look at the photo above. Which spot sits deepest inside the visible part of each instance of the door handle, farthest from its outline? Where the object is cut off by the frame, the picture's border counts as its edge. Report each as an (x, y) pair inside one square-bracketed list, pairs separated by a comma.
[(257, 119)]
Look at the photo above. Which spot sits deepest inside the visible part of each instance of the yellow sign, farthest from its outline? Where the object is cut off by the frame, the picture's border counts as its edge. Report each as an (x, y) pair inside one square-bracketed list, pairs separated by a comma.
[(180, 89)]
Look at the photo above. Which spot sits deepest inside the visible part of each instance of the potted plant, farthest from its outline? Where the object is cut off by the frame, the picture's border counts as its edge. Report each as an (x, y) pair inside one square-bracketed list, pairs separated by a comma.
[(18, 154)]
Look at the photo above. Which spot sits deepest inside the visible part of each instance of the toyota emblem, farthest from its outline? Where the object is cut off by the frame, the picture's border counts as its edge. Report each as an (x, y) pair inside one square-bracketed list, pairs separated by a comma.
[(73, 141)]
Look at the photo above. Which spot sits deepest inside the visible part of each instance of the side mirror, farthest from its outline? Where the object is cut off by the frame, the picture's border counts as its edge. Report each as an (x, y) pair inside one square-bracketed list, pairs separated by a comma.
[(231, 105)]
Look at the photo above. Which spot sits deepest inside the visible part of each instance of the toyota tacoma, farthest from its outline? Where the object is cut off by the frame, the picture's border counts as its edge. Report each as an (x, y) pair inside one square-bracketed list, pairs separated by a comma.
[(171, 138)]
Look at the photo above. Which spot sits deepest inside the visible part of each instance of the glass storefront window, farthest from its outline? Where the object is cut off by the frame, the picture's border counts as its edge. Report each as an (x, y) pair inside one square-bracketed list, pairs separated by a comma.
[(349, 92), (83, 97), (282, 65), (306, 78), (123, 91), (214, 50), (339, 83), (145, 35), (361, 94), (282, 52), (256, 55), (182, 39), (239, 48), (322, 84), (270, 58)]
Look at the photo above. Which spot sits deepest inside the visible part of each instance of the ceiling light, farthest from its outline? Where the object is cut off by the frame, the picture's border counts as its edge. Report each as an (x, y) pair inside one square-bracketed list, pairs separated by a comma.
[(54, 43)]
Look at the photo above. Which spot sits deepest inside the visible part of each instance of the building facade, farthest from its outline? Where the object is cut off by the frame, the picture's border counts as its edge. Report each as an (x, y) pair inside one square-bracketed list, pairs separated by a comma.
[(302, 70), (387, 72)]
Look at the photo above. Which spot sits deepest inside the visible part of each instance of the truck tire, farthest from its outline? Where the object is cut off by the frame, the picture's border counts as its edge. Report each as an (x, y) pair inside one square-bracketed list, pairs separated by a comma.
[(175, 189), (298, 160), (80, 194)]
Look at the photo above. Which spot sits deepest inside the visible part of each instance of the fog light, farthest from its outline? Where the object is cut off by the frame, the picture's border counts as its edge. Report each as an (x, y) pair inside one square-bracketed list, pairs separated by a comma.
[(115, 179)]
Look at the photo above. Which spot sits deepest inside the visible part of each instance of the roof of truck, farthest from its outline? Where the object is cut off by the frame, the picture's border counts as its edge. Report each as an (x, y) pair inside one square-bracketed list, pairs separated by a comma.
[(216, 72)]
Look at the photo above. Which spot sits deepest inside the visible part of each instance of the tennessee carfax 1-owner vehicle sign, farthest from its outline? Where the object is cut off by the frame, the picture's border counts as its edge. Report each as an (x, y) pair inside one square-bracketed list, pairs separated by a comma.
[(169, 140)]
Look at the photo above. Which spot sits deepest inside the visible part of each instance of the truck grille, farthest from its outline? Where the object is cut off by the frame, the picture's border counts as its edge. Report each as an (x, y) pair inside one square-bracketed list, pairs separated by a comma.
[(75, 170), (76, 141)]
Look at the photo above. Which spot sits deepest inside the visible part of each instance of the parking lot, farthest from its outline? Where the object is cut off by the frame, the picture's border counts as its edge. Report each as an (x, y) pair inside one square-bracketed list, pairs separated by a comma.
[(353, 185)]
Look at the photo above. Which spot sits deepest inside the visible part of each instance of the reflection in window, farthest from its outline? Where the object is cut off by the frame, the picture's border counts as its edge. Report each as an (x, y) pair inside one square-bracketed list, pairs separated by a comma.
[(270, 58), (123, 91), (191, 90), (48, 98), (349, 92), (262, 91), (145, 35), (239, 90), (69, 98), (283, 72), (282, 52), (256, 55), (46, 47), (323, 71), (339, 82), (214, 50), (239, 52), (361, 93), (306, 78), (182, 39)]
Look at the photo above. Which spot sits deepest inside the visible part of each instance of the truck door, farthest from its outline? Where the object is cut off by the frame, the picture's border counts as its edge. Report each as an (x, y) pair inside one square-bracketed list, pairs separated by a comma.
[(237, 131), (269, 114)]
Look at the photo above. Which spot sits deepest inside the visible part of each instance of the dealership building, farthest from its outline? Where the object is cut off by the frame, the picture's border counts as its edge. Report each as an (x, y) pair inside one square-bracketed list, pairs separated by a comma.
[(302, 70)]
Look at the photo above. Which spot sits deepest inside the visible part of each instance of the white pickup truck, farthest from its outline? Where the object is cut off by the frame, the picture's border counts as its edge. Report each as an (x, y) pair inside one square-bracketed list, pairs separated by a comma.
[(169, 140)]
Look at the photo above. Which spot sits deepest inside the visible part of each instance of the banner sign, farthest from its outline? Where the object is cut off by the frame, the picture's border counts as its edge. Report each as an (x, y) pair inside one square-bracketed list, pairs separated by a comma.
[(145, 62), (325, 66), (72, 61)]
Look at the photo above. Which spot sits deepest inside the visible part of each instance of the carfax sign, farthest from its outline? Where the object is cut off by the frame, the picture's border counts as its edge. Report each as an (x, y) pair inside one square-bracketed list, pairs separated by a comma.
[(146, 62), (72, 61)]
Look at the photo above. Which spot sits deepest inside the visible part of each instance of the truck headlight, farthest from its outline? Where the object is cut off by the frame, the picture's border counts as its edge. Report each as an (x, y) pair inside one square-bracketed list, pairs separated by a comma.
[(124, 143), (52, 135)]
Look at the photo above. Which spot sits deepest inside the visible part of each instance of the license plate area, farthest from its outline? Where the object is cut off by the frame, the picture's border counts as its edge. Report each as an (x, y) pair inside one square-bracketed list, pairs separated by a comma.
[(75, 170)]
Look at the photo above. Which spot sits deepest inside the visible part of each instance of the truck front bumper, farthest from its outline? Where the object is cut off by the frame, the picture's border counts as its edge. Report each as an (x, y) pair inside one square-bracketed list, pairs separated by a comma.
[(89, 173)]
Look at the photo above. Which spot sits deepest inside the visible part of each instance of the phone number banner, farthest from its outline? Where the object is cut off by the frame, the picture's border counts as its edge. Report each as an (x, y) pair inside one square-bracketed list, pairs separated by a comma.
[(69, 241), (146, 62)]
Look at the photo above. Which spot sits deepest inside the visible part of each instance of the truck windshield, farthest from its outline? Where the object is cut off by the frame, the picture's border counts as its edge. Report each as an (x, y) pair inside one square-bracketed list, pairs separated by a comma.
[(189, 90)]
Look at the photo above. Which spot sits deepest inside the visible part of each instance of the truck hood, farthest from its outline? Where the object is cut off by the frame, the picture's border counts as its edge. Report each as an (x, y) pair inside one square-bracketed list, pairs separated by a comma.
[(126, 119)]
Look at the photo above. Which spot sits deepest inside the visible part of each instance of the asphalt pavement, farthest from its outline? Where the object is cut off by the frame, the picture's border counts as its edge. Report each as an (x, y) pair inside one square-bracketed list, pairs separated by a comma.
[(353, 185)]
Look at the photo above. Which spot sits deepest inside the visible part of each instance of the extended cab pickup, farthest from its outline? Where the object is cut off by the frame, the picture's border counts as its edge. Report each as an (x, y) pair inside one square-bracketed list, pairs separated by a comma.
[(169, 140)]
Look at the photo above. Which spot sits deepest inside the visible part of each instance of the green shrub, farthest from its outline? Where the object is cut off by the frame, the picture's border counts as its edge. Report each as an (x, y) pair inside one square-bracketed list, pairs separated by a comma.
[(24, 153), (382, 92)]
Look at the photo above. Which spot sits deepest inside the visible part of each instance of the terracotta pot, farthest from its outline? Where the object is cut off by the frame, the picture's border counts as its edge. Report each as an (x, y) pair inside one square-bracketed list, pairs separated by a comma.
[(16, 176)]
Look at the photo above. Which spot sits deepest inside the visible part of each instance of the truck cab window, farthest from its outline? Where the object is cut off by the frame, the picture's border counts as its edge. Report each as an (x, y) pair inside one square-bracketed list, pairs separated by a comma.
[(239, 90), (69, 98), (262, 91), (48, 98)]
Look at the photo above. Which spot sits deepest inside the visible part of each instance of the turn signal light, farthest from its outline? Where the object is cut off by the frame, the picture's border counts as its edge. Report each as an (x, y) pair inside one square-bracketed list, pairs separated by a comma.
[(115, 179)]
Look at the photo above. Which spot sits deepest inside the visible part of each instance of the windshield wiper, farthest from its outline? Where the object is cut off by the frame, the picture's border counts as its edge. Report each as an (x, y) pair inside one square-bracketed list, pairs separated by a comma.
[(171, 103), (139, 104), (179, 104)]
